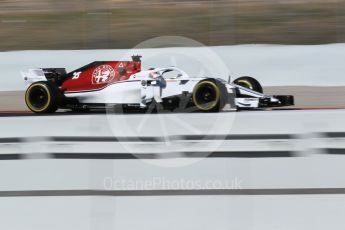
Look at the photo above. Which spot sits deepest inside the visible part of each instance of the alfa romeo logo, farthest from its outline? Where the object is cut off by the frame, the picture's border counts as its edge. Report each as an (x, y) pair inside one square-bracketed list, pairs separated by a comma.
[(103, 74)]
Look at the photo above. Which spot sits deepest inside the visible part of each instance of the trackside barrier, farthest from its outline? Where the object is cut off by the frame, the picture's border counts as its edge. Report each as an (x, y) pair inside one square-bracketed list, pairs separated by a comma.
[(154, 147)]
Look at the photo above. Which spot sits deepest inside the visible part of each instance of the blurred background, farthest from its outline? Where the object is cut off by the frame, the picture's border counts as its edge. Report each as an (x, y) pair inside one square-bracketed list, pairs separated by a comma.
[(113, 24)]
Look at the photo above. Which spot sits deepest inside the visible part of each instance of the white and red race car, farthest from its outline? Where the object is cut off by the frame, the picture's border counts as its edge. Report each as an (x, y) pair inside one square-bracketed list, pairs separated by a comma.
[(104, 84)]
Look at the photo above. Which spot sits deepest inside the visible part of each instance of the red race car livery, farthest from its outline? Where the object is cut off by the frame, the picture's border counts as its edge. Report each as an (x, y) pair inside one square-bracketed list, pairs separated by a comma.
[(99, 74)]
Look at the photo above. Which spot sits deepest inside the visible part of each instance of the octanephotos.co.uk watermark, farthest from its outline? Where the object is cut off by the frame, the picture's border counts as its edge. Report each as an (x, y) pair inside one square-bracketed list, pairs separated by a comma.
[(162, 183)]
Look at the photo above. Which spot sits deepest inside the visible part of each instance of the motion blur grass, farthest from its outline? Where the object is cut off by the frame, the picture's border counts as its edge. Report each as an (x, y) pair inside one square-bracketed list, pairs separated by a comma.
[(84, 24)]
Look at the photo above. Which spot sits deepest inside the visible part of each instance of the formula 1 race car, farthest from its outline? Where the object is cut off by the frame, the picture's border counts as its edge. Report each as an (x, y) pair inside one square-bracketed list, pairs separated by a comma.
[(104, 84)]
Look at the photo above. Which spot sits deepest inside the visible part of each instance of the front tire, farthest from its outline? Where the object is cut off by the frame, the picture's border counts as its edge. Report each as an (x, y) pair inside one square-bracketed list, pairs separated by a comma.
[(207, 96), (249, 83), (42, 97)]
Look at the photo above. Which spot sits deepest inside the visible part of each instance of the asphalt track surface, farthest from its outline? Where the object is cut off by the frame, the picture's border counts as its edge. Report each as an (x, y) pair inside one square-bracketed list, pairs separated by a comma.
[(12, 102), (67, 113)]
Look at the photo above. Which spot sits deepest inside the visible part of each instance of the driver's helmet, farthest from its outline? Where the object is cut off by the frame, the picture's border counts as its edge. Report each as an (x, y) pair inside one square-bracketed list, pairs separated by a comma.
[(154, 74), (159, 78)]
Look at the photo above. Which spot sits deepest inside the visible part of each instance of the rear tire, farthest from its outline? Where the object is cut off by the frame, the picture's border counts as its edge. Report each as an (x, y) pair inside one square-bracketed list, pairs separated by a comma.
[(249, 83), (42, 97)]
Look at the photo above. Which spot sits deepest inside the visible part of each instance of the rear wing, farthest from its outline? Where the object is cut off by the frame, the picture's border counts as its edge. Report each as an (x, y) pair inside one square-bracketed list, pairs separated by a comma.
[(43, 74), (33, 75)]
